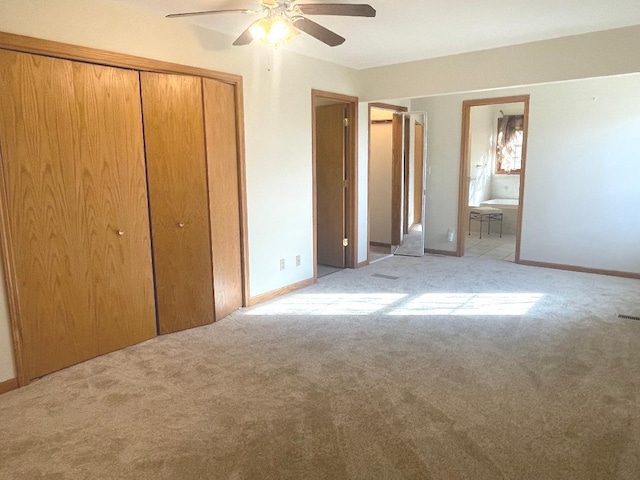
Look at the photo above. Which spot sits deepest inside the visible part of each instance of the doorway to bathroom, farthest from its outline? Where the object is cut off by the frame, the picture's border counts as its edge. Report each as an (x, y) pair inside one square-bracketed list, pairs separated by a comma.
[(492, 170)]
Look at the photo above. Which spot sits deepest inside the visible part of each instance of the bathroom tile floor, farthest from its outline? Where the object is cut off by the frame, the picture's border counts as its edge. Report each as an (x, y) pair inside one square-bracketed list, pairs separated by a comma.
[(491, 246)]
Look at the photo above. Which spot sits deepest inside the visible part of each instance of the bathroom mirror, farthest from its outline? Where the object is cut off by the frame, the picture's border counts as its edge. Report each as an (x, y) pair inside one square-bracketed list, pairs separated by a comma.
[(408, 183)]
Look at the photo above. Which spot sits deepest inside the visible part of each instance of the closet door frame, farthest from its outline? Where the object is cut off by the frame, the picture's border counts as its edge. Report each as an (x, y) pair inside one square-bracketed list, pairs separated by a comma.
[(19, 43)]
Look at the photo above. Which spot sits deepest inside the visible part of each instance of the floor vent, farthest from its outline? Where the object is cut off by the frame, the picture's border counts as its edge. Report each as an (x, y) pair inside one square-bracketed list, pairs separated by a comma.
[(629, 317), (387, 277)]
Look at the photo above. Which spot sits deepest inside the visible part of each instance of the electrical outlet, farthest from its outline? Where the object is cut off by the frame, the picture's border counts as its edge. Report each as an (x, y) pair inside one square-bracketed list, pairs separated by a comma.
[(282, 264), (298, 260)]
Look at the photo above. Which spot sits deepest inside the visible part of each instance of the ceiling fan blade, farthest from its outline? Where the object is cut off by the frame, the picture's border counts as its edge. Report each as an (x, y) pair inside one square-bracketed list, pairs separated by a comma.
[(318, 31), (245, 38), (206, 12), (348, 10)]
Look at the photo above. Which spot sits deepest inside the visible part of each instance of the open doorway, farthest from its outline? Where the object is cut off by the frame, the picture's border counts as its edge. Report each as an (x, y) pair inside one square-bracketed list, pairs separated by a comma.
[(397, 161), (409, 178), (492, 169), (334, 182), (384, 145)]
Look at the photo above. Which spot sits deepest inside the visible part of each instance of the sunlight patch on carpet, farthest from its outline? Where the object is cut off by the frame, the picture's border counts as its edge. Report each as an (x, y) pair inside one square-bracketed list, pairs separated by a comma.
[(329, 304), (469, 304)]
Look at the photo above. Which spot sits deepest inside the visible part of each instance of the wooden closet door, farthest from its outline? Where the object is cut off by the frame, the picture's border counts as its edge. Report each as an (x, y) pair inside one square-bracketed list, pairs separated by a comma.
[(176, 169), (73, 167), (114, 200), (224, 195), (47, 219)]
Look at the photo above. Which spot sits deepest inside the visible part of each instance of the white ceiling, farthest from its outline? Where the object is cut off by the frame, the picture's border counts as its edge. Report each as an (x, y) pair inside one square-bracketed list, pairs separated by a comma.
[(411, 30)]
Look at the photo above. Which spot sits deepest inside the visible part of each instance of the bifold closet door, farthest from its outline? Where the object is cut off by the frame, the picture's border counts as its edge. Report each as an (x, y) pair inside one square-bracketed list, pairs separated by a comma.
[(74, 182), (177, 175), (224, 198), (117, 210)]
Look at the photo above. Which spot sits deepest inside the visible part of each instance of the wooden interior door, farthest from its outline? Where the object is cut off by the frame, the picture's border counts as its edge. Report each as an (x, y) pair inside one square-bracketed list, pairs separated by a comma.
[(224, 195), (397, 179), (62, 125), (330, 184), (178, 198)]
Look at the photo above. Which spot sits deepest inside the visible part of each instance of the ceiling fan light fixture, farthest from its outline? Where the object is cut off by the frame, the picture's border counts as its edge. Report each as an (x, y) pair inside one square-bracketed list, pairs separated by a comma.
[(283, 20), (279, 32), (274, 31), (259, 29)]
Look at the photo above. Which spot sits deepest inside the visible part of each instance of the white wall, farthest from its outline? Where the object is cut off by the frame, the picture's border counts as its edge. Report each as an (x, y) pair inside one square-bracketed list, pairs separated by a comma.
[(590, 55), (598, 54), (380, 169), (505, 186), (443, 163), (482, 133), (582, 173), (277, 113), (363, 182)]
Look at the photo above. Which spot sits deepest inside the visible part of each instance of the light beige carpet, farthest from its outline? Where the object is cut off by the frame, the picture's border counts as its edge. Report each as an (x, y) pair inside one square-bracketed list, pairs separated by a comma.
[(414, 368)]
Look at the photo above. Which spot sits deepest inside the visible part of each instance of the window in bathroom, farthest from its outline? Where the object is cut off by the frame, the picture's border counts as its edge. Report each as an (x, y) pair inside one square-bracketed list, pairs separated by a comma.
[(509, 144)]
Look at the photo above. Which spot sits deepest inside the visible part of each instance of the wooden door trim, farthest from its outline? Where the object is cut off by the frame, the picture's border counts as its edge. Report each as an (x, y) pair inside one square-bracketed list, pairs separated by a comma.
[(242, 190), (465, 151), (49, 48), (11, 284), (386, 106), (382, 106), (8, 385), (37, 46), (351, 256), (397, 168)]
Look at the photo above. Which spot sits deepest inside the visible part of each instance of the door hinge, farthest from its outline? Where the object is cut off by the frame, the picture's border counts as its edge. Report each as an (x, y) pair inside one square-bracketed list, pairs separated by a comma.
[(345, 183), (345, 242), (346, 122)]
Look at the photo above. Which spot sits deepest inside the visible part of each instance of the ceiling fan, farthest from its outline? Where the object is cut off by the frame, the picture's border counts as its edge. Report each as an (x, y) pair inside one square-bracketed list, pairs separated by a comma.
[(282, 21)]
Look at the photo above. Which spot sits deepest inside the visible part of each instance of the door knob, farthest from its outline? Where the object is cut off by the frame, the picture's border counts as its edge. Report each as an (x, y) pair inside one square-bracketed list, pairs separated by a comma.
[(121, 233), (181, 224)]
